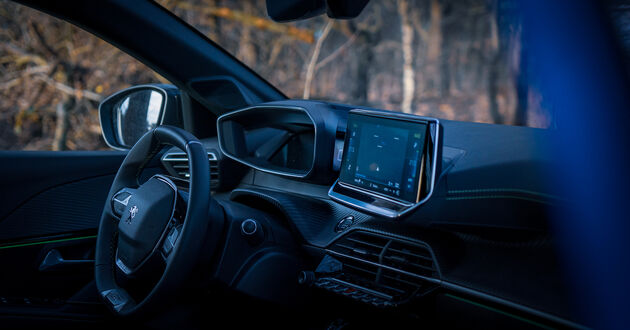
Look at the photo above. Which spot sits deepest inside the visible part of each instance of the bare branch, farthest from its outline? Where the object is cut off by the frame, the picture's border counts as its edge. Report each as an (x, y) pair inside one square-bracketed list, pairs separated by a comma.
[(42, 40), (78, 93), (337, 51), (310, 71), (251, 20), (275, 51), (17, 75)]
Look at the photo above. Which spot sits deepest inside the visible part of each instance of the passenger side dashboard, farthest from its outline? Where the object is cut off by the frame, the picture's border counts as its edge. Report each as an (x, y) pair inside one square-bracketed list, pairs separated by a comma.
[(483, 232)]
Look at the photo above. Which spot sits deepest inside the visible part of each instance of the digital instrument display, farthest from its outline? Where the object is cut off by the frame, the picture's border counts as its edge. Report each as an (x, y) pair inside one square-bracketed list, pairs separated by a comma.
[(384, 155)]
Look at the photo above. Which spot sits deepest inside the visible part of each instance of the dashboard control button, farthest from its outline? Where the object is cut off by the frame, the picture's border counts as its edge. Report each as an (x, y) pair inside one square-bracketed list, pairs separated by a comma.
[(367, 299), (252, 231), (349, 291), (344, 224), (322, 282), (306, 278), (339, 289), (360, 296), (331, 286), (170, 240)]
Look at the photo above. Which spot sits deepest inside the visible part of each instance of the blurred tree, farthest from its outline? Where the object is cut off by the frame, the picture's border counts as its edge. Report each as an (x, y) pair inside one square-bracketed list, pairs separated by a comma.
[(52, 76), (454, 59)]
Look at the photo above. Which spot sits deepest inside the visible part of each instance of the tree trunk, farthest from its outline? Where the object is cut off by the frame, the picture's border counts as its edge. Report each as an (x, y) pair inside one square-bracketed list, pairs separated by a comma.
[(61, 129), (522, 89), (360, 69), (495, 63), (246, 51), (310, 70), (408, 81)]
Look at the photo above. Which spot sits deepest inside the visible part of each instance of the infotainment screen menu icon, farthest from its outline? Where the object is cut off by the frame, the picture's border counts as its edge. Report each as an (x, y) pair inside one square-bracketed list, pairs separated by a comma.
[(384, 156)]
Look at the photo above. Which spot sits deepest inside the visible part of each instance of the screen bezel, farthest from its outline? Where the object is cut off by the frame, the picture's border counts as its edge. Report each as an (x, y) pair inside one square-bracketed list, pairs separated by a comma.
[(393, 117)]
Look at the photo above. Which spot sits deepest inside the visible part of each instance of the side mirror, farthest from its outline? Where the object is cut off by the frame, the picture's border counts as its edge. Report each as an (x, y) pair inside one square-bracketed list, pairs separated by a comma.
[(128, 114)]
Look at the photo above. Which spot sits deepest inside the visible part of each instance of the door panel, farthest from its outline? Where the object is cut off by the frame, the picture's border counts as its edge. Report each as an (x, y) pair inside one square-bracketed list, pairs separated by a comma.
[(25, 174), (51, 201), (69, 207)]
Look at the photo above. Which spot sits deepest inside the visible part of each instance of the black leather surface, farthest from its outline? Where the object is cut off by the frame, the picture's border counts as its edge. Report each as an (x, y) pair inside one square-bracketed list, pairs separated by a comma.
[(28, 173), (64, 208), (528, 273)]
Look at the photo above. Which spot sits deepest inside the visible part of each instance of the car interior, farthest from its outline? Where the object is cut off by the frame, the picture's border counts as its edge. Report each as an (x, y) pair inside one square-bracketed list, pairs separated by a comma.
[(226, 204)]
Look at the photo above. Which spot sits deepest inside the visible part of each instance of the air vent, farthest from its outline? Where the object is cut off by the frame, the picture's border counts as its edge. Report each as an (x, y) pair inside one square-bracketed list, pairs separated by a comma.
[(412, 258), (176, 163), (364, 246), (409, 257), (395, 267)]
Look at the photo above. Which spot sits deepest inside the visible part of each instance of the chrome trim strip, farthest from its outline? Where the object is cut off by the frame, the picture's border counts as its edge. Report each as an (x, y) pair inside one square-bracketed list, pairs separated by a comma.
[(372, 193), (361, 205), (294, 175), (123, 202), (211, 156), (376, 210)]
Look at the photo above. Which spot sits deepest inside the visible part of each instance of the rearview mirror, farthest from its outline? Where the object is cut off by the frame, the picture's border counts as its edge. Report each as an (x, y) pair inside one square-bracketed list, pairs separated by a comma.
[(294, 10), (130, 113)]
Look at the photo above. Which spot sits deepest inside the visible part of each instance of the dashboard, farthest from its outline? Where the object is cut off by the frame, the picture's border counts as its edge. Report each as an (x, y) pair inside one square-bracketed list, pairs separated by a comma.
[(394, 209)]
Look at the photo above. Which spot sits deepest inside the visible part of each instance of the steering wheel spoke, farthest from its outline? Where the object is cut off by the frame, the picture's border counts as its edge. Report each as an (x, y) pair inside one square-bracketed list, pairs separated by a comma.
[(118, 299), (120, 201), (170, 241)]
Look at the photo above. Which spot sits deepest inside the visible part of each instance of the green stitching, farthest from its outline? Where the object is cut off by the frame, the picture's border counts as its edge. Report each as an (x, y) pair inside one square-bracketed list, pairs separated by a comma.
[(496, 197), (465, 191), (492, 309), (46, 242)]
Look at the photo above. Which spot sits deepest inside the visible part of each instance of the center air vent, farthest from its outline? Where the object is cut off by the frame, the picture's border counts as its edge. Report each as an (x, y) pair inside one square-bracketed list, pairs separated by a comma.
[(176, 163), (361, 245), (394, 254), (415, 259), (395, 269)]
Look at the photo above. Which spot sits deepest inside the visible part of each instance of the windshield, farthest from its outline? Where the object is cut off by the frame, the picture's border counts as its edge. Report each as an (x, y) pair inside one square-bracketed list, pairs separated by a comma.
[(455, 60)]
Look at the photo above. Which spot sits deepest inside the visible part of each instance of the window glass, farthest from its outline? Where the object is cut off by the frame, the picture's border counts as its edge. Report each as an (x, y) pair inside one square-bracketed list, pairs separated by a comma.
[(52, 77), (461, 60)]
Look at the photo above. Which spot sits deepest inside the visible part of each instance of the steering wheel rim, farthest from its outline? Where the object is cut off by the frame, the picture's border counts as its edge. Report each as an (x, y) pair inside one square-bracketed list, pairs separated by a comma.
[(189, 240)]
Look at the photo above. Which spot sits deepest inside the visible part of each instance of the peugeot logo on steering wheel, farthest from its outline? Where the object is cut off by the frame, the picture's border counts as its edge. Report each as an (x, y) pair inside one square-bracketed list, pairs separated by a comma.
[(132, 213)]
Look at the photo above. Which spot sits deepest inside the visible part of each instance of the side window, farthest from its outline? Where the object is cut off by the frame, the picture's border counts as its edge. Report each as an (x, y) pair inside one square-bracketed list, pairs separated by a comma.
[(52, 78)]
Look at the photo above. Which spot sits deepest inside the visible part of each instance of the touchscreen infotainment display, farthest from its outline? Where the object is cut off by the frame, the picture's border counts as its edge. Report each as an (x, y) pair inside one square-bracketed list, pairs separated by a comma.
[(384, 155)]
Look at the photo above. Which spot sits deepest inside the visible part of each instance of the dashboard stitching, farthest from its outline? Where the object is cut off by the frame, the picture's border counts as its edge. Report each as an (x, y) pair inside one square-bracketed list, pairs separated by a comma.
[(514, 190), (497, 197)]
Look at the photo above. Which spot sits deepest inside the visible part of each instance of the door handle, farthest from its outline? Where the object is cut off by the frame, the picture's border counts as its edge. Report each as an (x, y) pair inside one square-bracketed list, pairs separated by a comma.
[(54, 261)]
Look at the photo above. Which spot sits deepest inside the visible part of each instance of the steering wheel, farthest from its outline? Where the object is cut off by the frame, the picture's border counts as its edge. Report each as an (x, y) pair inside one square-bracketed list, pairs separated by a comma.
[(142, 223)]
